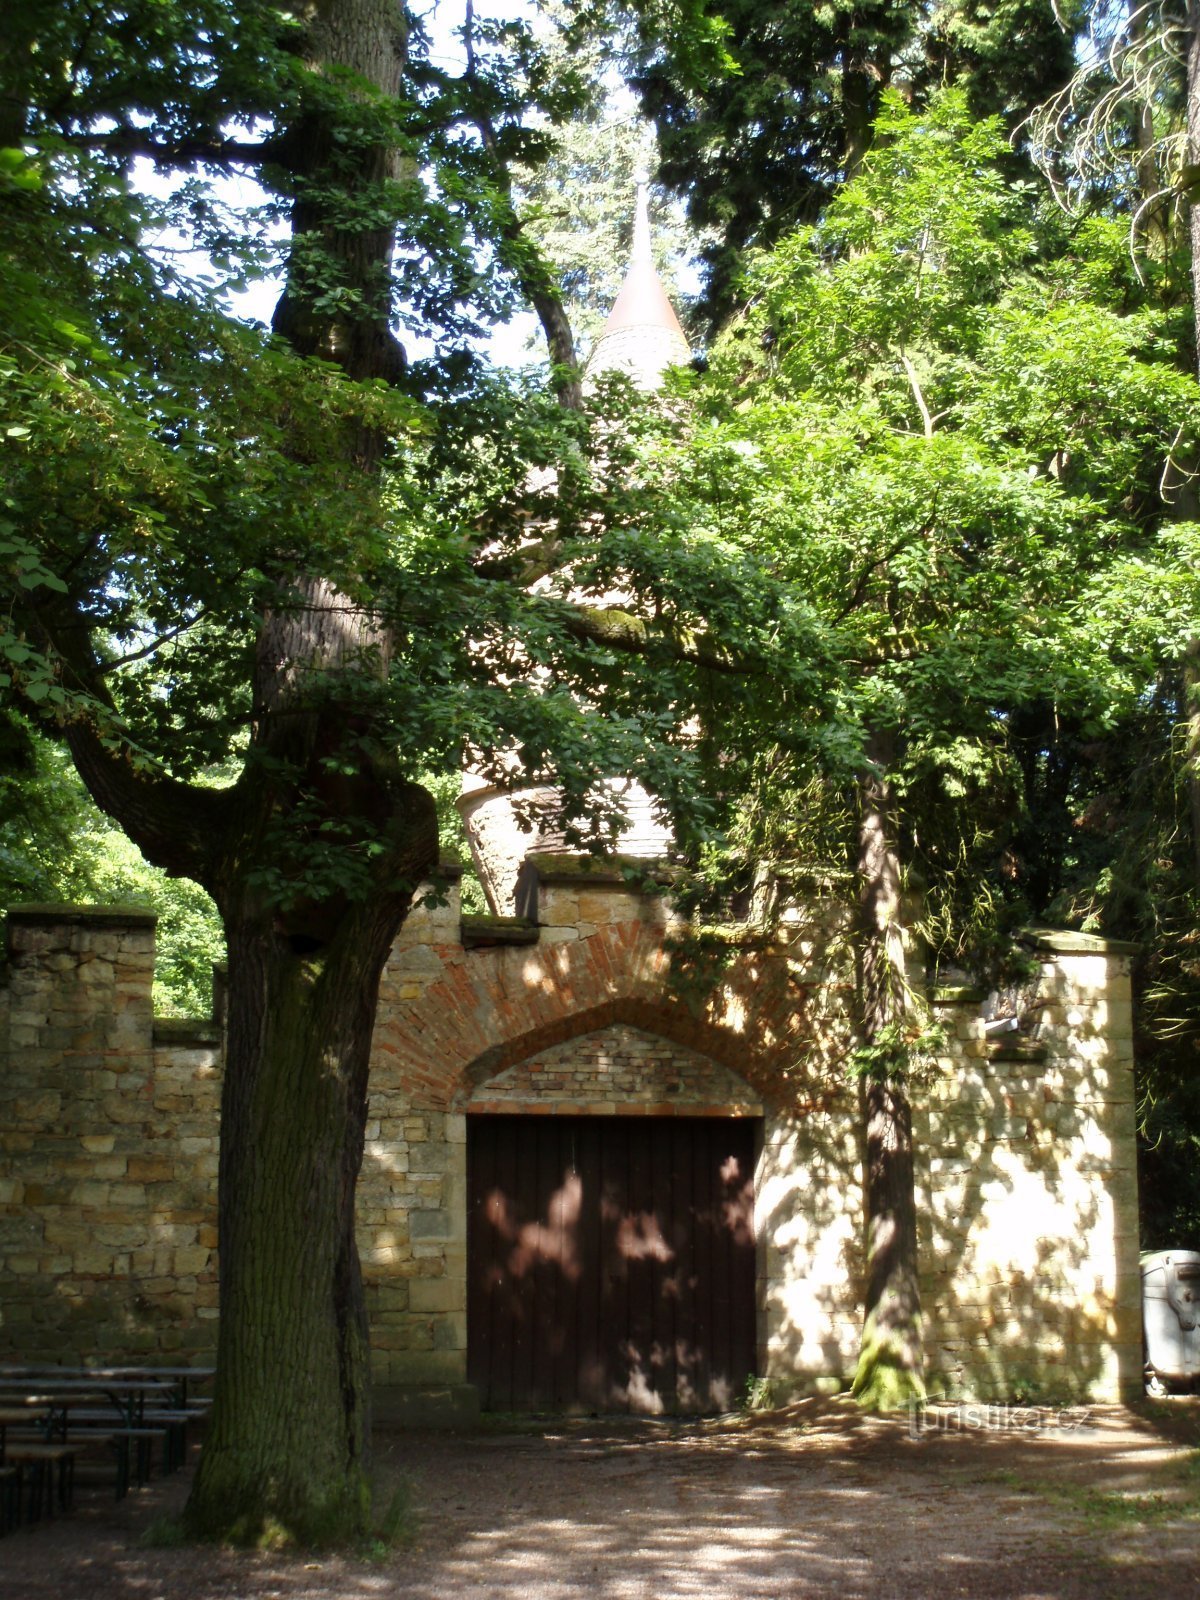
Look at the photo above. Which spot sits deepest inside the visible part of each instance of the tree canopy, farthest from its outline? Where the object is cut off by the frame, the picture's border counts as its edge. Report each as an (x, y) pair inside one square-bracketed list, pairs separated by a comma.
[(262, 585), (910, 549)]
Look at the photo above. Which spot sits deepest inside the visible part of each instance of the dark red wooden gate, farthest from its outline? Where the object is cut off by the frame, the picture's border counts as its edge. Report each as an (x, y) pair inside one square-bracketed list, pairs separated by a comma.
[(610, 1262)]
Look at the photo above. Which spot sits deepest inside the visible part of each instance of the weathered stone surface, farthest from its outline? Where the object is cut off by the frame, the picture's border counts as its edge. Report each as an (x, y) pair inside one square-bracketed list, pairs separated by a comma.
[(1026, 1178)]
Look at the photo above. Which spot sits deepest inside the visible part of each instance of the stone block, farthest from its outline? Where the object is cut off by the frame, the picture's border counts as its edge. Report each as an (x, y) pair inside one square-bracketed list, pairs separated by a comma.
[(150, 1169), (450, 1331), (191, 1259), (37, 1110), (437, 1294), (98, 1144)]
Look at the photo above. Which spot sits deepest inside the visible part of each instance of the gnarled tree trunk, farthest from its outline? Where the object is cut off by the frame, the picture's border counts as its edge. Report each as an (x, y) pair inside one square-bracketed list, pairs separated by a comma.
[(288, 1449)]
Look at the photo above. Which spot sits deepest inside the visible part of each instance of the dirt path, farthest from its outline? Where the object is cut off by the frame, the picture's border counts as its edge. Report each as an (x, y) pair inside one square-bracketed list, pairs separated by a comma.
[(811, 1501)]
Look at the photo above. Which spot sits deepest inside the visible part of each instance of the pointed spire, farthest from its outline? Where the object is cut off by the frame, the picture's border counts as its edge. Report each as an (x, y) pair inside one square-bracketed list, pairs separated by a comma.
[(642, 335), (642, 250)]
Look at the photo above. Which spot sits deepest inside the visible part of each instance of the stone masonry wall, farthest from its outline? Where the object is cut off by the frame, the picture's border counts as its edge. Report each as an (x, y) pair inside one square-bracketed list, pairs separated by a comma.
[(108, 1148), (618, 1069), (1028, 1213), (1027, 1195)]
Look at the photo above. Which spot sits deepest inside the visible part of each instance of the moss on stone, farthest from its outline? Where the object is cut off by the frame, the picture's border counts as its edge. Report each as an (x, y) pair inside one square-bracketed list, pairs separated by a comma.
[(487, 930)]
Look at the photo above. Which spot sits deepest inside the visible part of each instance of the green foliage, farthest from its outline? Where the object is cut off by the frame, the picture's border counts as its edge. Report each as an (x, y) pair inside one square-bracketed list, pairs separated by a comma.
[(395, 1522), (761, 148), (899, 1054), (168, 473), (954, 450), (758, 1395), (56, 846)]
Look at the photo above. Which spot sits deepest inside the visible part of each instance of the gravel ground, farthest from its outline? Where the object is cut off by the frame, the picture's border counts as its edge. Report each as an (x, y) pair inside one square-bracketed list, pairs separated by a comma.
[(812, 1500)]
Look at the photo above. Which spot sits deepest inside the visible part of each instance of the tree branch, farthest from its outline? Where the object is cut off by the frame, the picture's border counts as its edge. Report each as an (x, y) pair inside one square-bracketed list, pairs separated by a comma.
[(176, 825), (104, 668), (215, 152), (616, 629), (531, 273), (915, 385)]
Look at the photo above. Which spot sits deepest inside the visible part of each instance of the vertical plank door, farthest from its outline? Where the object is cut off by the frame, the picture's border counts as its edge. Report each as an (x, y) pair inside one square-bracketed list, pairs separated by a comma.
[(610, 1262)]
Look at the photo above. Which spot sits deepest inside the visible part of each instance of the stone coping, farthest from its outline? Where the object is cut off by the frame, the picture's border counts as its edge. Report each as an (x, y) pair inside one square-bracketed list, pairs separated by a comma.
[(484, 1107), (479, 932), (957, 994), (622, 872), (44, 915), (446, 871), (1066, 942), (202, 1032)]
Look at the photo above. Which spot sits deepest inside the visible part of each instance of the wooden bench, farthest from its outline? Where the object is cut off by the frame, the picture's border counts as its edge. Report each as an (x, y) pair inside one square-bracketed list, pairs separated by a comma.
[(36, 1460), (132, 1446), (10, 1499)]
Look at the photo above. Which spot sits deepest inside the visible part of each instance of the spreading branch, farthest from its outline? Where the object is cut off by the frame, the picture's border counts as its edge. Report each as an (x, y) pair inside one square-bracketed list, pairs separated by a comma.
[(532, 274), (176, 825), (617, 629), (130, 143)]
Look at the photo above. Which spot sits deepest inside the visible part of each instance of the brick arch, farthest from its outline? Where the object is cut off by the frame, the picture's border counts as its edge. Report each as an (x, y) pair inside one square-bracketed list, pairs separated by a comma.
[(663, 1020), (451, 1018)]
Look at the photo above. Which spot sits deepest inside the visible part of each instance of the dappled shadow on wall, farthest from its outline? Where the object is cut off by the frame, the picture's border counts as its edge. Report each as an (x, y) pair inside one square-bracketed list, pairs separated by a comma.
[(611, 1262)]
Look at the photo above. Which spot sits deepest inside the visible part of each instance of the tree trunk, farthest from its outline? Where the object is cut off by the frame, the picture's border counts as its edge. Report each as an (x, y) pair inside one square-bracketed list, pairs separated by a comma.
[(1156, 223), (1191, 748), (856, 114), (1193, 160), (1191, 665), (287, 1453), (340, 168), (890, 1369)]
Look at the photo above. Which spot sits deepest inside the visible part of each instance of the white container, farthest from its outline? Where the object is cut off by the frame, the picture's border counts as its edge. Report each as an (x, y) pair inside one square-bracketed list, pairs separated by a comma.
[(1171, 1317)]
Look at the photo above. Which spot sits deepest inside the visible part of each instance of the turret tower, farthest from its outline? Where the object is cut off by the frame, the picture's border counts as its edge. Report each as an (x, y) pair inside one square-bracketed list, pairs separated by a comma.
[(642, 338)]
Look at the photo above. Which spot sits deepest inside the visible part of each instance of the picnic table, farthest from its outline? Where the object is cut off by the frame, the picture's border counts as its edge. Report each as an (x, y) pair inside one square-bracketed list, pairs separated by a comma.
[(128, 1407)]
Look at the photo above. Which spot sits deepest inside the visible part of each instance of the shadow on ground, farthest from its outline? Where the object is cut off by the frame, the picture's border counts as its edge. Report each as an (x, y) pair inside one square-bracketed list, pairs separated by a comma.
[(814, 1500)]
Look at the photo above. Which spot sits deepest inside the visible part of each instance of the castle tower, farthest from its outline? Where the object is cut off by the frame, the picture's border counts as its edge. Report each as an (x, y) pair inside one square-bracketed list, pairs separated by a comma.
[(642, 338)]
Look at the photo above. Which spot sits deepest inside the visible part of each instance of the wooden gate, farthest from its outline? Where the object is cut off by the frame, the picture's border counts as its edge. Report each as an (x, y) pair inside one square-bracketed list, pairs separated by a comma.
[(610, 1262)]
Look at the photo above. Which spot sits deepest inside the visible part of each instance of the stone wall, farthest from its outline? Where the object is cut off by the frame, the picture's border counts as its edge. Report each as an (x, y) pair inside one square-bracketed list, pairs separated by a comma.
[(1028, 1216), (1027, 1196), (108, 1146)]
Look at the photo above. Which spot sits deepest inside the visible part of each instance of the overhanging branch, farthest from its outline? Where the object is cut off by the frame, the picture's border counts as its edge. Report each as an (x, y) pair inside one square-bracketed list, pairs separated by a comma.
[(617, 629)]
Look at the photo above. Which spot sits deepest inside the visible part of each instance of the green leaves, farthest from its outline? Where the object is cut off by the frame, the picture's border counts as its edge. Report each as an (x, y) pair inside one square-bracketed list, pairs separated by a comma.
[(962, 457)]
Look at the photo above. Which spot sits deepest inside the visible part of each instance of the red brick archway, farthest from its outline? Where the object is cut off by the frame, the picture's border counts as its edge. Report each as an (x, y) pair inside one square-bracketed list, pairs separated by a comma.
[(450, 1018)]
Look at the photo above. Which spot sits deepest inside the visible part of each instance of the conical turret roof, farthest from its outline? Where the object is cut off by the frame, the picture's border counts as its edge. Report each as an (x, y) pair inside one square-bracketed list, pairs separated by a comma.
[(642, 336)]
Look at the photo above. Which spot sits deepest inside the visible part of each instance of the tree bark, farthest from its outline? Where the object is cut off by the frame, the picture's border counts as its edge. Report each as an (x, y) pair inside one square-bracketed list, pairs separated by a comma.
[(890, 1369), (856, 115), (287, 1456), (1191, 664), (1193, 159), (288, 1452), (1191, 748), (361, 44)]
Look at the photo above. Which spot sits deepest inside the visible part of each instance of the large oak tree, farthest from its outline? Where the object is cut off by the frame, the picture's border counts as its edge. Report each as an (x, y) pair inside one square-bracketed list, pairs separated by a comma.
[(260, 585)]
